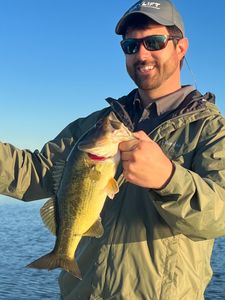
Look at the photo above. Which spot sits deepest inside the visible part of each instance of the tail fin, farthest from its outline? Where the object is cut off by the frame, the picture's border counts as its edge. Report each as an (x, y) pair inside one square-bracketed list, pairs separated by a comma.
[(51, 261)]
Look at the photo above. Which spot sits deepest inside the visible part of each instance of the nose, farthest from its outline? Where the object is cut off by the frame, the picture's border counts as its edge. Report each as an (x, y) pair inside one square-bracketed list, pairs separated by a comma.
[(143, 52)]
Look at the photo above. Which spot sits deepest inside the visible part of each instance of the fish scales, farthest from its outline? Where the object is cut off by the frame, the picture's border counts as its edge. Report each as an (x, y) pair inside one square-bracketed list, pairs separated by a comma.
[(85, 181)]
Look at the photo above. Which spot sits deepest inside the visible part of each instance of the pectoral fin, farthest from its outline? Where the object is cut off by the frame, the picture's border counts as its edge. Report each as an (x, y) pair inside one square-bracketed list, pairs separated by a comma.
[(96, 230), (48, 215), (112, 188)]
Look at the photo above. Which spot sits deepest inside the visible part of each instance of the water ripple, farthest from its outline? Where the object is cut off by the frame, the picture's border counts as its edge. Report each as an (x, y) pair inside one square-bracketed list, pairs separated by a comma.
[(24, 238)]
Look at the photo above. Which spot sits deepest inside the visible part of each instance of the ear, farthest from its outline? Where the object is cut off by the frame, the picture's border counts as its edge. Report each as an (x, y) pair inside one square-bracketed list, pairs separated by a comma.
[(182, 47)]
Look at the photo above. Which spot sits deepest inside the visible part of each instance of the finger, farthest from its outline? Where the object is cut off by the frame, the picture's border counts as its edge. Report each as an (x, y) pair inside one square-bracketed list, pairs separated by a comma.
[(127, 169), (141, 135), (128, 145), (126, 156), (127, 172), (125, 166)]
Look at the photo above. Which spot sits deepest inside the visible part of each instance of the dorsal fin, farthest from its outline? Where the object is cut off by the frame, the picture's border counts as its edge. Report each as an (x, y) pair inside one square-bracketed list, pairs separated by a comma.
[(48, 215)]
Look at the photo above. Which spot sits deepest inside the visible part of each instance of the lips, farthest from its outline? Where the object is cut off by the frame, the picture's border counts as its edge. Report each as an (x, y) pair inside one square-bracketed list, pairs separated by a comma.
[(145, 68)]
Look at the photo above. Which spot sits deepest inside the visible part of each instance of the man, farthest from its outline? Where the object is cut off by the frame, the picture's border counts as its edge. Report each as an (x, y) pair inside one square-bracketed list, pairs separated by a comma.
[(159, 229)]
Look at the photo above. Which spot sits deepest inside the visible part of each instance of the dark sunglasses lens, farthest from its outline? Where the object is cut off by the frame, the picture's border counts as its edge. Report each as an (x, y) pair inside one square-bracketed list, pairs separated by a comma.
[(130, 46), (154, 43)]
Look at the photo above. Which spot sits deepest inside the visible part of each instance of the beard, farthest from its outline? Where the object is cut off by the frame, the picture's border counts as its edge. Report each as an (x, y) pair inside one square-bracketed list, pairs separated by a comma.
[(160, 74)]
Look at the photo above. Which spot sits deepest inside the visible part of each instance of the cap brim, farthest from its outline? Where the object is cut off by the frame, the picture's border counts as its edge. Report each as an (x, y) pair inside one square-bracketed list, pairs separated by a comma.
[(120, 27)]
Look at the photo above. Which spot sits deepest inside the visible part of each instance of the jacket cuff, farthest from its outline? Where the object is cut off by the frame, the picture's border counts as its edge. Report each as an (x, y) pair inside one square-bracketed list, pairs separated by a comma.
[(169, 179), (175, 184)]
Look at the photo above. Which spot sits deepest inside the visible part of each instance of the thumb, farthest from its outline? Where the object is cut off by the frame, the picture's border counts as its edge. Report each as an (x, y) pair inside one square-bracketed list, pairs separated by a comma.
[(141, 135)]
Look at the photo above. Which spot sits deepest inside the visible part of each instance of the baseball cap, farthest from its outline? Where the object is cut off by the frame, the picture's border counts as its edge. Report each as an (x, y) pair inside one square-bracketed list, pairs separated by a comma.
[(161, 11)]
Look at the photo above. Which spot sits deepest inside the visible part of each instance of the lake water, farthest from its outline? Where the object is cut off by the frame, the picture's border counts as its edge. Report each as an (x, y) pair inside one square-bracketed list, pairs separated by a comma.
[(23, 238)]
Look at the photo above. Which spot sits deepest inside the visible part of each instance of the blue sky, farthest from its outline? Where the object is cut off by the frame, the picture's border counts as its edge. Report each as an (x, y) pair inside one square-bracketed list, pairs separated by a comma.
[(59, 60)]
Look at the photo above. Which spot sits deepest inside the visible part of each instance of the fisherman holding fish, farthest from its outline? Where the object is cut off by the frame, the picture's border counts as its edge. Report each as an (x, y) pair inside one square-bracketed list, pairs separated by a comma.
[(136, 190)]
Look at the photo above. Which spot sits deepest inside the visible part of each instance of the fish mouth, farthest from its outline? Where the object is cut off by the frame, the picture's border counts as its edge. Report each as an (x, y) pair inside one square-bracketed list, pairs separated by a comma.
[(96, 157)]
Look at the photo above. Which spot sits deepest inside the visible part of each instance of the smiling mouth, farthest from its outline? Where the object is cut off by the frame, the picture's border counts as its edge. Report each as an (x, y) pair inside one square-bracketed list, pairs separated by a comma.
[(145, 69)]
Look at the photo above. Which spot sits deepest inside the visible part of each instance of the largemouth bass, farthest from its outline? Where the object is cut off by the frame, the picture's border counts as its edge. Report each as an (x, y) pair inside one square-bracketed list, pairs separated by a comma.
[(82, 184)]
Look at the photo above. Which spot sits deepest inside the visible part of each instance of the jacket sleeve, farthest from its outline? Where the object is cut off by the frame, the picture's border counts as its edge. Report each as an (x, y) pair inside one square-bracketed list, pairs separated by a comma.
[(27, 175), (193, 202)]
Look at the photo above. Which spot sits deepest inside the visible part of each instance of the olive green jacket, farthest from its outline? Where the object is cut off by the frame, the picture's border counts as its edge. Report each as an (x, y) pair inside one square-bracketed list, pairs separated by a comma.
[(157, 243)]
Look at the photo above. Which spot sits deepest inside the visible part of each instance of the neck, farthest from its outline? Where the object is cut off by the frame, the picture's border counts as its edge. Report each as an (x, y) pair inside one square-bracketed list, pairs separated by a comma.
[(149, 96)]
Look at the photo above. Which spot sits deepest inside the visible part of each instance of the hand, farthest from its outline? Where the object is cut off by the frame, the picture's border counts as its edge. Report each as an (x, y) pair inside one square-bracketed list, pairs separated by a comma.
[(144, 162)]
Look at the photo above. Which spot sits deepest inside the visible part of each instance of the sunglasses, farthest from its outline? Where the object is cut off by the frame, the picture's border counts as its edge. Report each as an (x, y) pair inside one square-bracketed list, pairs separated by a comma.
[(151, 43)]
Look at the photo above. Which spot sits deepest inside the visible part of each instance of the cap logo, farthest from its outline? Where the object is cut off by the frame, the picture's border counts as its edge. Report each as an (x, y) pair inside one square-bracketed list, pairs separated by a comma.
[(149, 4)]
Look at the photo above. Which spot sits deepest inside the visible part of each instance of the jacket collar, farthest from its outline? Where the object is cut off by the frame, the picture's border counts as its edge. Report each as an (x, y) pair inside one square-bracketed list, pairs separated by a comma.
[(191, 102), (167, 103)]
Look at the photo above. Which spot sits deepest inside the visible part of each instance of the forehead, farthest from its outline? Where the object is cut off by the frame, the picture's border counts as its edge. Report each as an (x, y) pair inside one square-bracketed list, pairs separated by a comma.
[(147, 30)]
